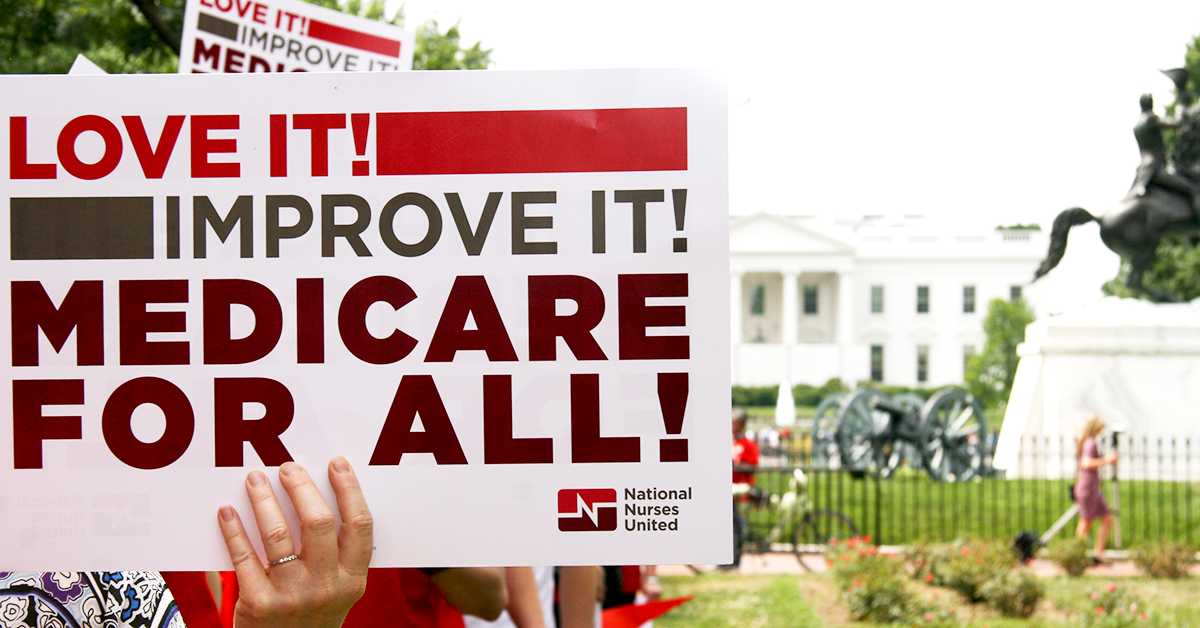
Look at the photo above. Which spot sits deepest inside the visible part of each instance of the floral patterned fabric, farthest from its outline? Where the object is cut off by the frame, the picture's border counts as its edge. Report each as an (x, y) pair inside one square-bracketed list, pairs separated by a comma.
[(113, 599)]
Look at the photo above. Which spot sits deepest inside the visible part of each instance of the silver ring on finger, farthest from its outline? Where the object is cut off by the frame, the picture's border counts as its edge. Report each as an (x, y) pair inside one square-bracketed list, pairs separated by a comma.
[(285, 559)]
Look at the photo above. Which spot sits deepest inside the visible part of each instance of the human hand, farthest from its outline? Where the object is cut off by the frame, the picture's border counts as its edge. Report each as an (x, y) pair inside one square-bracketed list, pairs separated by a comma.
[(312, 588), (1112, 458)]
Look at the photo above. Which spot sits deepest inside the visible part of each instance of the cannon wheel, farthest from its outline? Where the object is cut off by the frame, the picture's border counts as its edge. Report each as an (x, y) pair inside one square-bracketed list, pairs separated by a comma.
[(957, 430), (858, 421), (824, 432), (892, 455)]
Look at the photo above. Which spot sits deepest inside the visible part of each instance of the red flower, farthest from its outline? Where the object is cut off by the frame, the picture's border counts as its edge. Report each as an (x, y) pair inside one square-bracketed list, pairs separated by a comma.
[(966, 550), (928, 616), (833, 542), (1110, 587), (866, 538), (1099, 610), (858, 583), (928, 577)]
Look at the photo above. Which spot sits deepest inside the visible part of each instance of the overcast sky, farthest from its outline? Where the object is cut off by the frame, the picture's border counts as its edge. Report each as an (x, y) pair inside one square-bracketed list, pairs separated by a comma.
[(995, 113)]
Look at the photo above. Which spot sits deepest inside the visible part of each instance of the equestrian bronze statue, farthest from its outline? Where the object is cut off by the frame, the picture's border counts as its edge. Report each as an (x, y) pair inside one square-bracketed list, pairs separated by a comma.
[(1164, 199)]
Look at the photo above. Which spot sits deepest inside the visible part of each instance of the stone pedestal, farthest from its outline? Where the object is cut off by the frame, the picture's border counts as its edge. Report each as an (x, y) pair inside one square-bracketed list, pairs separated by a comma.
[(1133, 363)]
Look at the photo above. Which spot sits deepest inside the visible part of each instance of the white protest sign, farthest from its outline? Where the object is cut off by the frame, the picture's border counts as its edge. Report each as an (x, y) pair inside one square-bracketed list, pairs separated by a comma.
[(502, 296), (250, 36)]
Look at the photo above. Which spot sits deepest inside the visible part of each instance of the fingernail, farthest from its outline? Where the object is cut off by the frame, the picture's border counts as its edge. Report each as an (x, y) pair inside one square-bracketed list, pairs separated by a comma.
[(289, 468), (256, 478), (340, 464), (226, 513)]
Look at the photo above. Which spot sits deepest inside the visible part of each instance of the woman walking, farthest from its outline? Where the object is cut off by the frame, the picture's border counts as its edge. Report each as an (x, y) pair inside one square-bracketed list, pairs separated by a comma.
[(1087, 490)]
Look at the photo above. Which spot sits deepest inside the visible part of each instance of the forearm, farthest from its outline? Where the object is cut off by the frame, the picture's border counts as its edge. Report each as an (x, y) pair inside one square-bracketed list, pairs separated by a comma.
[(477, 591), (579, 589), (524, 606)]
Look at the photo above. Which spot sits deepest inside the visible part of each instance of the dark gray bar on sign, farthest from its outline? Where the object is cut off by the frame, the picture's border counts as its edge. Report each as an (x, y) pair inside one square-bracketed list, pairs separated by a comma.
[(217, 26), (114, 227)]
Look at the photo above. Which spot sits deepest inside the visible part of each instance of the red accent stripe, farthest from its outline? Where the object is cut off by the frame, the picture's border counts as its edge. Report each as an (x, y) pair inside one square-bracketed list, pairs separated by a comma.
[(493, 142), (353, 39)]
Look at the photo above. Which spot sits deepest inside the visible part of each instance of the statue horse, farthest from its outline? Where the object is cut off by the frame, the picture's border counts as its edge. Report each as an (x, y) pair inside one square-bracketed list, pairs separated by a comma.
[(1133, 230)]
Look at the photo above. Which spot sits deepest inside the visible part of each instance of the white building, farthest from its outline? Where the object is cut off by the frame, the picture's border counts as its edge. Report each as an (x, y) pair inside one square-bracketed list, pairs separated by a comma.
[(894, 301)]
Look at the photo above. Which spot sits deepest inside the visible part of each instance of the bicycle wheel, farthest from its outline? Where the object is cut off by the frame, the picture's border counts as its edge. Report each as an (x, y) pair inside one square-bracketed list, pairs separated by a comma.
[(817, 529)]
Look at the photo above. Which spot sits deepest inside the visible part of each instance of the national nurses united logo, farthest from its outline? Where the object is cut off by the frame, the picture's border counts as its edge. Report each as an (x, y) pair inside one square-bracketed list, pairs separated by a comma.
[(587, 509)]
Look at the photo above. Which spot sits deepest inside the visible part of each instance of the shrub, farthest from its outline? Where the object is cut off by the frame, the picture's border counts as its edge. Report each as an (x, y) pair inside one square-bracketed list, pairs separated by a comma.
[(966, 565), (1165, 560), (751, 396), (1072, 554), (872, 584), (1013, 594), (919, 559), (1113, 607)]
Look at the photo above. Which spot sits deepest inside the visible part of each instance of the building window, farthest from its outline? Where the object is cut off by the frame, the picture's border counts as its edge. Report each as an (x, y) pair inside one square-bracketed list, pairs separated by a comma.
[(810, 299), (922, 299), (877, 363), (877, 299), (922, 363), (1015, 293), (758, 298), (968, 353), (968, 299)]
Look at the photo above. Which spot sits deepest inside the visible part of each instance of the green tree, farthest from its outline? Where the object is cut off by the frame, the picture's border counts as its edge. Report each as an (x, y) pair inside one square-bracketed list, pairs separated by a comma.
[(441, 51), (990, 374), (1176, 270), (45, 36), (142, 36)]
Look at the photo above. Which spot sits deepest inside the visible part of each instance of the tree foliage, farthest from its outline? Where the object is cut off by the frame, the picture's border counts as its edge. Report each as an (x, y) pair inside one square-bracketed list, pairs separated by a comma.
[(990, 373), (44, 36), (141, 36), (1176, 270)]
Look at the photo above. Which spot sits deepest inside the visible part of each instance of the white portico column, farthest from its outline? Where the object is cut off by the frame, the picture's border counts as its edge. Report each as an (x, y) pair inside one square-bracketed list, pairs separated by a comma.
[(735, 309), (791, 311), (845, 323), (785, 406)]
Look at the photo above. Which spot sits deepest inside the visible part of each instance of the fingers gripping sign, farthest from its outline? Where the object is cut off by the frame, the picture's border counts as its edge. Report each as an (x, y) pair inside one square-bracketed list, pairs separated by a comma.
[(315, 586)]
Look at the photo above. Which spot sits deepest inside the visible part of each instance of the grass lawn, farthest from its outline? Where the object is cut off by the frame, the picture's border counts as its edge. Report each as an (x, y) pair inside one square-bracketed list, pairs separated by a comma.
[(802, 601)]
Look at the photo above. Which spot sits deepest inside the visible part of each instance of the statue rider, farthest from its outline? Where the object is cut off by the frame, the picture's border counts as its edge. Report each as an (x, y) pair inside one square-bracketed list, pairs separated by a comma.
[(1153, 169)]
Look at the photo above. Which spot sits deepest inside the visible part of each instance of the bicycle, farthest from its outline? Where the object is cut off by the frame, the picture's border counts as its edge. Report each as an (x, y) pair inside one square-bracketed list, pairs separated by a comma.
[(809, 531)]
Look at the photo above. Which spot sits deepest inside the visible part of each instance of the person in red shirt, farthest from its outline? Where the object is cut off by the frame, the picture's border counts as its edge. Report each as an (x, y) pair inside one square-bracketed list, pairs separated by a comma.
[(745, 451), (745, 461)]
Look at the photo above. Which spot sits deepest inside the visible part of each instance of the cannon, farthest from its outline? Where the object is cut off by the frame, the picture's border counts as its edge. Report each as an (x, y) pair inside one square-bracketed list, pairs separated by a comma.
[(876, 433)]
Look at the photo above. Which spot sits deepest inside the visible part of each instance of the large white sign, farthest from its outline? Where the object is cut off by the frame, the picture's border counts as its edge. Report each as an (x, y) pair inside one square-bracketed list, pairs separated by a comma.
[(250, 36), (502, 296)]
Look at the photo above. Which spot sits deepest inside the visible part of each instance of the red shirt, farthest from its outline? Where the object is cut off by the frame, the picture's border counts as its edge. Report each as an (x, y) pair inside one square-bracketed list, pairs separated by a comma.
[(745, 451), (402, 597)]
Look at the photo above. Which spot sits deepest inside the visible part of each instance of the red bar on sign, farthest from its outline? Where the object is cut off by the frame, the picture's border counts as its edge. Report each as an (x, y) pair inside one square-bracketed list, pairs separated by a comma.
[(353, 39), (495, 142)]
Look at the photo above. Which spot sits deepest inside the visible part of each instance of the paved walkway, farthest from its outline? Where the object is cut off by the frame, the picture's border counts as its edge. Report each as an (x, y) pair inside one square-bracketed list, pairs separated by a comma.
[(787, 563)]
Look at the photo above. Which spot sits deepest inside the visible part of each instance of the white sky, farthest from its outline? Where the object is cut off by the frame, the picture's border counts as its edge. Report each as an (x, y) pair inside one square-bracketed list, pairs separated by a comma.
[(988, 112)]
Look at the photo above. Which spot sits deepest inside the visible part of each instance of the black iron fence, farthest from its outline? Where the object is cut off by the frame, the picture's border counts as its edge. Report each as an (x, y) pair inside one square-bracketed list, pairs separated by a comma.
[(1155, 492)]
